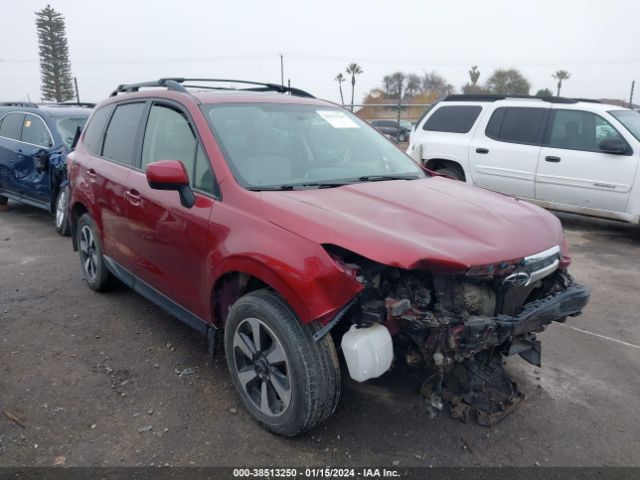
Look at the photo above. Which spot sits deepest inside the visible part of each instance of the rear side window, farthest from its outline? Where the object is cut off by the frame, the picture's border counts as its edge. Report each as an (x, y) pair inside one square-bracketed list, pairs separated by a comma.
[(453, 119), (12, 126), (95, 129), (516, 125), (35, 131), (120, 137)]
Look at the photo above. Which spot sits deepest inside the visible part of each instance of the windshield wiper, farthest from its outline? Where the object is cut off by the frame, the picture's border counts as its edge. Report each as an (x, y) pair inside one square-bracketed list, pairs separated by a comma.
[(298, 186), (378, 178)]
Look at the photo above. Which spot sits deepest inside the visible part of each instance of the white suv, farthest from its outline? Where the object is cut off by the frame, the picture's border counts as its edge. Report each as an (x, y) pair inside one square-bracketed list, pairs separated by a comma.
[(572, 155)]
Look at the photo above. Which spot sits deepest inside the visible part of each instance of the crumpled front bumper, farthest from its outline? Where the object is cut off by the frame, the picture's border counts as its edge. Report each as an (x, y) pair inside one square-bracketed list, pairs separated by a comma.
[(480, 333)]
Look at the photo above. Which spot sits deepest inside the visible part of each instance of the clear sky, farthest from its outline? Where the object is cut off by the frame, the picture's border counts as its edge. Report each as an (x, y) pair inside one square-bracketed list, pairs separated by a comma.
[(121, 41)]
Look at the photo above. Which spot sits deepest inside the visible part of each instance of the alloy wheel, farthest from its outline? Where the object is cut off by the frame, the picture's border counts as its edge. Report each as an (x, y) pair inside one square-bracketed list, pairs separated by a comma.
[(88, 253), (61, 208), (262, 367)]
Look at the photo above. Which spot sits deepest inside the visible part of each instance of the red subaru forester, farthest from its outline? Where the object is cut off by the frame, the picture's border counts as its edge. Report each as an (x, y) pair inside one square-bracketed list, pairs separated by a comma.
[(298, 230)]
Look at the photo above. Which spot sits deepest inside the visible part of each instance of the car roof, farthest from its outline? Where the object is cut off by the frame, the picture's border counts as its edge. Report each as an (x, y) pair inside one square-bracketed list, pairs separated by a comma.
[(223, 96), (212, 97), (47, 110), (529, 101)]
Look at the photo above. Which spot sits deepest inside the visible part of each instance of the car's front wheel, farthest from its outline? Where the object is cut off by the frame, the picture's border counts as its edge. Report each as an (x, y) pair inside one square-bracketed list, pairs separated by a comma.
[(93, 266), (451, 172), (287, 380), (62, 214)]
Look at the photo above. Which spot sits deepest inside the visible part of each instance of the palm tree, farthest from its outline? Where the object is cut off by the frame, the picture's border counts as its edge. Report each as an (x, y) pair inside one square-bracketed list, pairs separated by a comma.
[(561, 75), (353, 69), (340, 78)]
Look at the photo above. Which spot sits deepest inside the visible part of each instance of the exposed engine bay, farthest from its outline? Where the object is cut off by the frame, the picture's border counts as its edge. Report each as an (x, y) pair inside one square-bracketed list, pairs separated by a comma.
[(458, 328)]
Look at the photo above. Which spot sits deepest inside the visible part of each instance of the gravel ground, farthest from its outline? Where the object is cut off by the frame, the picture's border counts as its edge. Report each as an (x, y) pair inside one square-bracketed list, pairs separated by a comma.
[(108, 379)]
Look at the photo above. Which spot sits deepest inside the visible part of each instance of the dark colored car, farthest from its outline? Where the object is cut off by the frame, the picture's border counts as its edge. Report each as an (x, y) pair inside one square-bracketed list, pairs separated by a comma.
[(393, 129), (34, 141), (289, 226)]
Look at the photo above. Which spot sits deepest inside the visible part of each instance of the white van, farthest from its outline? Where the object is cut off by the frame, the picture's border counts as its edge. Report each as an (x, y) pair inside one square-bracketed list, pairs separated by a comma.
[(576, 156)]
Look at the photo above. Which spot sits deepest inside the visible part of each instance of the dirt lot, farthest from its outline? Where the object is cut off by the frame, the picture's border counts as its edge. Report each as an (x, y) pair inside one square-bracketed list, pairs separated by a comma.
[(99, 378)]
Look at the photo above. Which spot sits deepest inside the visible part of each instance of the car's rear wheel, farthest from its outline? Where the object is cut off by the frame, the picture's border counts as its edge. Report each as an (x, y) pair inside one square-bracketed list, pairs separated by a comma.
[(93, 266), (4, 203), (286, 380), (62, 214)]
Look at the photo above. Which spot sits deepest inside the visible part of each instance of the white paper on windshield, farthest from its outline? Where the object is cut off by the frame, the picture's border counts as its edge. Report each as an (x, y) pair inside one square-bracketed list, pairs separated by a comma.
[(337, 119)]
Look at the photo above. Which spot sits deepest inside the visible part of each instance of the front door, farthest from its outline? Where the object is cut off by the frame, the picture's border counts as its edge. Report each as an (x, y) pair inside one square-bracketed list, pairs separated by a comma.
[(574, 171), (169, 242), (32, 173)]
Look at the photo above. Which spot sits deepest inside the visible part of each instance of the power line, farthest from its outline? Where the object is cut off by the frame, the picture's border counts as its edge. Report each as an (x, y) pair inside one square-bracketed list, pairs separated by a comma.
[(299, 56)]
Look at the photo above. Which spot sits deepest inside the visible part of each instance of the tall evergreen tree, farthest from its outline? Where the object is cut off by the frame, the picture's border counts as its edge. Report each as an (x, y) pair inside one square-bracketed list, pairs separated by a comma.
[(55, 69)]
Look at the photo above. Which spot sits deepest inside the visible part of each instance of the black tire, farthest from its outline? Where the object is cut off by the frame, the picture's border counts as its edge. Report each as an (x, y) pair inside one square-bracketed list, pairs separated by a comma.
[(311, 368), (451, 172), (95, 272), (63, 225)]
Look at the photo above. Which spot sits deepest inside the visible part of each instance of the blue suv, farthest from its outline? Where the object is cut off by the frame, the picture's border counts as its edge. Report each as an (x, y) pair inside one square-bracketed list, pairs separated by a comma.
[(34, 141)]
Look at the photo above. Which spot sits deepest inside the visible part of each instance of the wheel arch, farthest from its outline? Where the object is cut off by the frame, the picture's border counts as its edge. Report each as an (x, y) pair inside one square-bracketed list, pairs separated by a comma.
[(437, 163), (241, 275), (76, 211)]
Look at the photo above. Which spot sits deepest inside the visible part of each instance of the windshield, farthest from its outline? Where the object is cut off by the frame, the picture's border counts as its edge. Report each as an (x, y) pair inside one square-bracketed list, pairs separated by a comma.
[(630, 120), (67, 128), (284, 146)]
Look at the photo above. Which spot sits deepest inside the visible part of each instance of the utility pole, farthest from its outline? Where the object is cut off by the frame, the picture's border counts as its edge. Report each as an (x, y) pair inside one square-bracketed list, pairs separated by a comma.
[(633, 85), (75, 82), (289, 85), (281, 70)]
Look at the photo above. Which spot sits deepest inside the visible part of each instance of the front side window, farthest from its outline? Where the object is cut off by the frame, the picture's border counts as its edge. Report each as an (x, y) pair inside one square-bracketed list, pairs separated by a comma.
[(453, 119), (35, 131), (67, 127), (169, 136), (120, 137), (579, 130), (287, 146), (12, 126), (516, 125)]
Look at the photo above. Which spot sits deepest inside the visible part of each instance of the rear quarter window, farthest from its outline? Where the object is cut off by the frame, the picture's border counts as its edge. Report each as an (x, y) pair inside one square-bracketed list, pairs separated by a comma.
[(95, 129), (453, 119)]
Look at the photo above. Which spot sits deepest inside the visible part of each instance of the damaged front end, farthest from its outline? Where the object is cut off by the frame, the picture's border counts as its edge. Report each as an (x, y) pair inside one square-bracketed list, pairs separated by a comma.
[(458, 327)]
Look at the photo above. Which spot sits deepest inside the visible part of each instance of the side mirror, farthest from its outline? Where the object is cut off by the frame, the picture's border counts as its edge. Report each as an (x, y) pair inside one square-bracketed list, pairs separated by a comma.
[(171, 175), (615, 146)]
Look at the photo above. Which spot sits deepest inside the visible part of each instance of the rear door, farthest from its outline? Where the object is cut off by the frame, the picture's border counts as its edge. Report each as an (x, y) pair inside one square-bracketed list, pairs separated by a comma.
[(170, 242), (10, 145), (574, 171), (504, 151), (106, 176)]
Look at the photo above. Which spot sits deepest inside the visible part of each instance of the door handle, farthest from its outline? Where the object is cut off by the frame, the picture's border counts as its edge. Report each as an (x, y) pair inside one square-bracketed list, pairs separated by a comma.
[(552, 159), (91, 172), (482, 150), (134, 196)]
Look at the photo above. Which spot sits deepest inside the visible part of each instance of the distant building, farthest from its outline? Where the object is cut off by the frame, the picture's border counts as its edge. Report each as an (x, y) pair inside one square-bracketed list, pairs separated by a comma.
[(619, 103)]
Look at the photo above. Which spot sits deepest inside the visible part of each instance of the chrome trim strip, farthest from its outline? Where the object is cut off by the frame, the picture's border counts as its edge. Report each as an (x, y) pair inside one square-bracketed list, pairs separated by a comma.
[(543, 272), (537, 257)]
